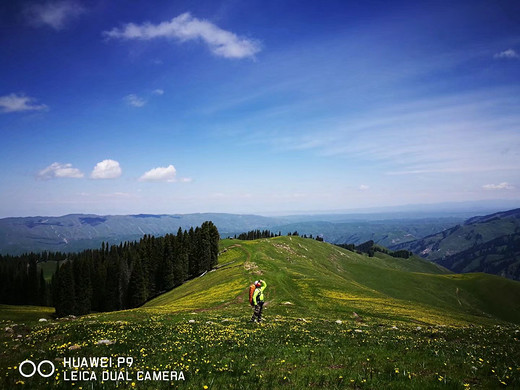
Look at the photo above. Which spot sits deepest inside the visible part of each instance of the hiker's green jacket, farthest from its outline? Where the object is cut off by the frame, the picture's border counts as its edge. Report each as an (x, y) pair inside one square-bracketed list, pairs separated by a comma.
[(258, 295)]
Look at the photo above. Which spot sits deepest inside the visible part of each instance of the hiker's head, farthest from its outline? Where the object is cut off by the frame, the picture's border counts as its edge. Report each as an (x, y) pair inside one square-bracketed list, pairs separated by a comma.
[(257, 283)]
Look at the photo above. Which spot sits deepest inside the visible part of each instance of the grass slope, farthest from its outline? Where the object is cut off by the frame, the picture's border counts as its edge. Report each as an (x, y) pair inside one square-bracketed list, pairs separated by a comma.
[(500, 256), (322, 280), (334, 319)]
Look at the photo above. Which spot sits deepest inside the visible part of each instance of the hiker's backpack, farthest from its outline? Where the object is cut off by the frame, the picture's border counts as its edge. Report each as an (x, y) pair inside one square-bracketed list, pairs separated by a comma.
[(251, 292)]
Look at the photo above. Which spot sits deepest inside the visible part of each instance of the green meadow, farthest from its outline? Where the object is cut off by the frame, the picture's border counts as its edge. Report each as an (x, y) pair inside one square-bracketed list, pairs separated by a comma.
[(334, 319)]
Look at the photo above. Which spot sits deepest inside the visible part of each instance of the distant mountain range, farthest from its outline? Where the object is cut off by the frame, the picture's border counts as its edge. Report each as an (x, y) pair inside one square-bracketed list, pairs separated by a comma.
[(489, 244), (77, 232), (382, 232)]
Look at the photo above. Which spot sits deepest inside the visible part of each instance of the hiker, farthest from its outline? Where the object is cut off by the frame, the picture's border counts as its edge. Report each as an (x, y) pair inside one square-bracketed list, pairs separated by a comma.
[(258, 300)]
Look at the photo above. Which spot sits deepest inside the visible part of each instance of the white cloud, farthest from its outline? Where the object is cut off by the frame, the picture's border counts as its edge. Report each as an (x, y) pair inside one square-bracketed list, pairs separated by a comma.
[(509, 53), (364, 187), (187, 28), (167, 174), (134, 100), (57, 170), (15, 102), (501, 186), (56, 14), (158, 92), (106, 169)]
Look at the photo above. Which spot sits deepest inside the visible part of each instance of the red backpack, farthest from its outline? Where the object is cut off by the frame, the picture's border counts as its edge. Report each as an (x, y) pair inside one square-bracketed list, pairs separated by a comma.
[(252, 288)]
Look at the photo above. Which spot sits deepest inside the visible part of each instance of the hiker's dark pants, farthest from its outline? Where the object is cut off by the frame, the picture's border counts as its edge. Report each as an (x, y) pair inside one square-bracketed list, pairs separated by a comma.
[(257, 314)]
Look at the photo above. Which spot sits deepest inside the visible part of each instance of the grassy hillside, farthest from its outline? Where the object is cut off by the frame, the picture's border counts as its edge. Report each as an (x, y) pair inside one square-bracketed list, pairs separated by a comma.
[(500, 256), (482, 244), (334, 319), (319, 279)]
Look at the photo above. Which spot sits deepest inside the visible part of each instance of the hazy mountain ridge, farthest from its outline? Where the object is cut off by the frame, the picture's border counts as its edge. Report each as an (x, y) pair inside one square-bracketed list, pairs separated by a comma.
[(489, 243), (382, 232), (515, 213), (76, 232), (500, 256)]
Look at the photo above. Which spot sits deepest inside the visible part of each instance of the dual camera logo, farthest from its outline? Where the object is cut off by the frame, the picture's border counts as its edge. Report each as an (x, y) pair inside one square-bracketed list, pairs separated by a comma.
[(45, 368)]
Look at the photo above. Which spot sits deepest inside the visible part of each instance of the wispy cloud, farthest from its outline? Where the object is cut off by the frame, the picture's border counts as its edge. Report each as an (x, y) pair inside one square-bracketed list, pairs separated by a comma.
[(158, 92), (509, 53), (165, 174), (134, 100), (188, 28), (19, 102), (470, 132), (58, 170), (501, 186), (106, 169), (56, 14), (364, 187)]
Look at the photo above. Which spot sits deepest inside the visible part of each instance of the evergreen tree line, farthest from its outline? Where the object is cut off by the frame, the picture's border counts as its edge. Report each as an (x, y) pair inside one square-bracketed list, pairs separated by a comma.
[(257, 234), (20, 281), (114, 277), (127, 275)]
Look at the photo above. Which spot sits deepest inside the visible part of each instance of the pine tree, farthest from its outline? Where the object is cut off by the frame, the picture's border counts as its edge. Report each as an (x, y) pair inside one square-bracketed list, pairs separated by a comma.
[(124, 276), (32, 282), (55, 283), (166, 267), (65, 295), (83, 288), (214, 239), (43, 298), (113, 283), (137, 286), (192, 255)]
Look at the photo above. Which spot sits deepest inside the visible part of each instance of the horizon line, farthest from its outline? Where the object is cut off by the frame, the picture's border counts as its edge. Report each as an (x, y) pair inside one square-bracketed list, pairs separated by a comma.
[(509, 204)]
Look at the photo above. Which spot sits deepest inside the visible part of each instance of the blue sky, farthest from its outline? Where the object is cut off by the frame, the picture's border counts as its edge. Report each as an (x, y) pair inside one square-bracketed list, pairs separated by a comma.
[(256, 106)]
